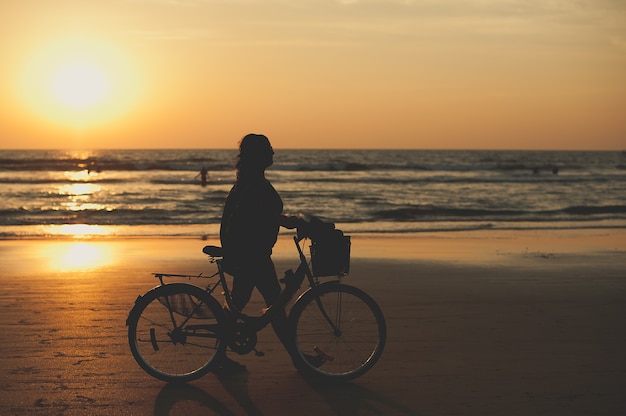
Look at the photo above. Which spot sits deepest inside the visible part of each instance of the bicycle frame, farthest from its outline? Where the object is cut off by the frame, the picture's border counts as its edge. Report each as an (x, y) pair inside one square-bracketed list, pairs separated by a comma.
[(292, 280)]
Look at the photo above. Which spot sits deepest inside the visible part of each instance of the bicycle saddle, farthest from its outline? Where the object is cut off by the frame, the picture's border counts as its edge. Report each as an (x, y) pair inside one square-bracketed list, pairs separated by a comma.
[(213, 251)]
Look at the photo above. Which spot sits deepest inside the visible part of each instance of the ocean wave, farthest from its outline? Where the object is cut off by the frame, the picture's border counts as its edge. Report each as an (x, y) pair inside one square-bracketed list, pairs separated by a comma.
[(191, 181), (296, 161), (120, 216), (194, 213), (430, 213), (211, 230), (369, 179), (114, 160), (452, 179), (108, 166), (369, 190), (58, 181)]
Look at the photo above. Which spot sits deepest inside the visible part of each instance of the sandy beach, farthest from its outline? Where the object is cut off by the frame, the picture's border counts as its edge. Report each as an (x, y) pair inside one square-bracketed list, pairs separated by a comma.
[(479, 323)]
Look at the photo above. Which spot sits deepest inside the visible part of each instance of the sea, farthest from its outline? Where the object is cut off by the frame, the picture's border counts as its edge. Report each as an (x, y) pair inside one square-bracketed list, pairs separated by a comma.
[(156, 193)]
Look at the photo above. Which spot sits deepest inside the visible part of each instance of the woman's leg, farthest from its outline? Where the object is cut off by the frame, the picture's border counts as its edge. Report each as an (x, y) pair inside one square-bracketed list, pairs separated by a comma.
[(241, 291), (243, 285), (267, 283)]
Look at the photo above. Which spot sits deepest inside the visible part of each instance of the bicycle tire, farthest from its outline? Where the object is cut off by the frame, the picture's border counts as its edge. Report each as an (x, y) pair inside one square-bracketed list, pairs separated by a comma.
[(347, 352), (175, 332)]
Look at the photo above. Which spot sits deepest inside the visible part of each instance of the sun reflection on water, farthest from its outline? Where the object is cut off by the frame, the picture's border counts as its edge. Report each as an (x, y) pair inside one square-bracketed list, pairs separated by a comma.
[(77, 189), (81, 175), (78, 230), (80, 192)]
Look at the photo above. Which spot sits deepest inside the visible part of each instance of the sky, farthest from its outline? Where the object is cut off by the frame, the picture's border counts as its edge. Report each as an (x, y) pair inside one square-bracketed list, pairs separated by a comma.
[(415, 74)]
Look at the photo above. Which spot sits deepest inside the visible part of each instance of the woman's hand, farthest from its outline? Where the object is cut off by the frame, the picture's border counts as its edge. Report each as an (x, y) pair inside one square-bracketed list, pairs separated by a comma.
[(289, 222)]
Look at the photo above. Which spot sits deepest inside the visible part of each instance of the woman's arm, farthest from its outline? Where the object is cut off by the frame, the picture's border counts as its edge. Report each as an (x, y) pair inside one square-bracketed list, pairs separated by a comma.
[(288, 221)]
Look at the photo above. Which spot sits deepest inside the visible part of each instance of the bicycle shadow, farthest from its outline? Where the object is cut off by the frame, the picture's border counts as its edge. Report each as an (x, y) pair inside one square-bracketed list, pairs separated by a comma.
[(352, 399), (343, 398), (237, 387), (187, 399)]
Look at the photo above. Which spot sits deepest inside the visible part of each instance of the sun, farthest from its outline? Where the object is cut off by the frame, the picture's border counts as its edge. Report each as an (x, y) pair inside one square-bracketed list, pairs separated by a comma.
[(79, 84), (78, 81)]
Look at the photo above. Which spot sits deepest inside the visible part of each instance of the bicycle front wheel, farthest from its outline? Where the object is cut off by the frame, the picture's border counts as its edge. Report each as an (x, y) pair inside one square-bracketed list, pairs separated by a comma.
[(340, 331), (174, 332)]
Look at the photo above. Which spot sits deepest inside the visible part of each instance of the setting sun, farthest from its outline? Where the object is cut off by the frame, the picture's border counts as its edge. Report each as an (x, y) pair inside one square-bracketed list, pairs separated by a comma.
[(79, 84)]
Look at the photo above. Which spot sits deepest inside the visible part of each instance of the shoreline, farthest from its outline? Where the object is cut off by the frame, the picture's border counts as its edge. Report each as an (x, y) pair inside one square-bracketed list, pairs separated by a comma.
[(98, 231), (369, 234)]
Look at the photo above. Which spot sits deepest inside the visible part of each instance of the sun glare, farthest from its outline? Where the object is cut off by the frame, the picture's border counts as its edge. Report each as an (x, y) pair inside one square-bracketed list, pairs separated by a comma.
[(78, 81), (79, 84), (69, 257)]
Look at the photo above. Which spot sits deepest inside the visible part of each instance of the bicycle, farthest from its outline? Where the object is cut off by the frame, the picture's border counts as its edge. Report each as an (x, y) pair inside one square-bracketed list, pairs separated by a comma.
[(176, 330)]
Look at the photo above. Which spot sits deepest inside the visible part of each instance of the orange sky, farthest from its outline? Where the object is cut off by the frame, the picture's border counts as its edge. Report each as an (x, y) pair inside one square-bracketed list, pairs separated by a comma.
[(498, 74)]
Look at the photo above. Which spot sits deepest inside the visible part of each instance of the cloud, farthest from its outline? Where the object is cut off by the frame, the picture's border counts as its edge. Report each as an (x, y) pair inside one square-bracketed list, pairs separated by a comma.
[(172, 35), (350, 22)]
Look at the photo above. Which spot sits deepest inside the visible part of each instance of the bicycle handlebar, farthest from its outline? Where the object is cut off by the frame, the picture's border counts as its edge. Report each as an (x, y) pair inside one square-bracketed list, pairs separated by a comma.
[(315, 229)]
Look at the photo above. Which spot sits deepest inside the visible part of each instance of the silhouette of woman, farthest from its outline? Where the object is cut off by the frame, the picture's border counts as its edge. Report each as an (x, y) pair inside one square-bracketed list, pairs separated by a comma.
[(249, 229)]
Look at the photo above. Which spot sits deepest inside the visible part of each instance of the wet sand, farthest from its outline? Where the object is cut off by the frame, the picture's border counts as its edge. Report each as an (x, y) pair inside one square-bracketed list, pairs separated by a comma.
[(479, 323)]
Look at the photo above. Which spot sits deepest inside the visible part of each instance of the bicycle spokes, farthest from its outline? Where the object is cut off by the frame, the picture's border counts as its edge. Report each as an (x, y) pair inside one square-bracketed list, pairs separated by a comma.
[(176, 340), (340, 331)]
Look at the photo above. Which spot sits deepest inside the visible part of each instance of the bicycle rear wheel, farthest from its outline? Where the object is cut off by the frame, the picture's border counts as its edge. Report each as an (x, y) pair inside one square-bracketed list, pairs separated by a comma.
[(340, 331), (174, 332)]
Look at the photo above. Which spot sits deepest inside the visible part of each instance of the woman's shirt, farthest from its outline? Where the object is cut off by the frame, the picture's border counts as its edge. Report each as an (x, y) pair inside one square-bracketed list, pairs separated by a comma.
[(250, 222)]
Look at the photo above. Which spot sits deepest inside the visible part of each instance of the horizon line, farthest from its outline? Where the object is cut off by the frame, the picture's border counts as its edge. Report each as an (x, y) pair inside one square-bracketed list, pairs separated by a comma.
[(75, 149)]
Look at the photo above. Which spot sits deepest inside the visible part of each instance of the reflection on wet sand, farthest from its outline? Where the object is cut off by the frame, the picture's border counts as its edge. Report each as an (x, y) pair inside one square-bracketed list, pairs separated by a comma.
[(66, 256)]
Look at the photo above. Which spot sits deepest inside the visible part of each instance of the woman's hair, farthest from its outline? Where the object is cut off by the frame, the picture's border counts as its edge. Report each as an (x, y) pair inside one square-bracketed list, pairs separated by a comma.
[(253, 149)]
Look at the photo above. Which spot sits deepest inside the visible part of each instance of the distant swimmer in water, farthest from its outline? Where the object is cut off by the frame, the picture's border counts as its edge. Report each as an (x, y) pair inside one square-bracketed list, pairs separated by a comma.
[(204, 176)]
